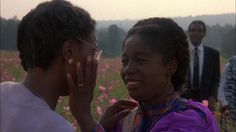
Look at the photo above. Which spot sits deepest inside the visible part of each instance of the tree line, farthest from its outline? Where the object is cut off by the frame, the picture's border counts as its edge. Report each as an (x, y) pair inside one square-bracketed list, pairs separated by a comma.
[(110, 39)]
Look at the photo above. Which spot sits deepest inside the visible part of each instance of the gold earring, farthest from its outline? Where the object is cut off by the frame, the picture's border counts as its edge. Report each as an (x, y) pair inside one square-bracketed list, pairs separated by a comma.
[(70, 61)]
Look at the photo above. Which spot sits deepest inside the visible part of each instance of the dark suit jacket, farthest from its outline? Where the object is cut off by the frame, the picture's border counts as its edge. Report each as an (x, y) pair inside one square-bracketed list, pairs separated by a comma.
[(210, 75)]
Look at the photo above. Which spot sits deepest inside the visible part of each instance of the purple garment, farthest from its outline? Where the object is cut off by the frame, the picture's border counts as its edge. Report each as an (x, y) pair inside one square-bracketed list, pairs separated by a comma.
[(184, 121)]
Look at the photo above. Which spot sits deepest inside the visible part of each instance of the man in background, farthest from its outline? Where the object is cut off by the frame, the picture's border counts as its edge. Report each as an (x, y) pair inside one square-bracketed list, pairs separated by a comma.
[(204, 71)]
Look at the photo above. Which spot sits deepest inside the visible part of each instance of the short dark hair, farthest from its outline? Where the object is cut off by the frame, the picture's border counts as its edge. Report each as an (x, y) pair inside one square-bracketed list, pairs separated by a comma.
[(198, 22), (42, 32), (164, 36)]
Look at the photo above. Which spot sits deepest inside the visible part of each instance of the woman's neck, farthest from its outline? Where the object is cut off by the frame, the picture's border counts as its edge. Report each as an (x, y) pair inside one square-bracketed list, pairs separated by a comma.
[(160, 100), (40, 84)]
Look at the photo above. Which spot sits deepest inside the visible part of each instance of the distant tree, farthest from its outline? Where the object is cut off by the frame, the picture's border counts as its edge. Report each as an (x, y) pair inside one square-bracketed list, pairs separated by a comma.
[(228, 43), (110, 40), (102, 40), (8, 33), (114, 40), (215, 35)]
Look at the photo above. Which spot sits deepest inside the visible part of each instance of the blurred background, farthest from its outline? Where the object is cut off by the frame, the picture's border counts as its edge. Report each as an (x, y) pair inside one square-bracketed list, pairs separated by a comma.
[(114, 18)]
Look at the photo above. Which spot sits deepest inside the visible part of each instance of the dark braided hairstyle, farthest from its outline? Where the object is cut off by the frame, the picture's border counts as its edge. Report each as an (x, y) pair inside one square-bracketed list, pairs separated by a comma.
[(42, 32), (164, 36)]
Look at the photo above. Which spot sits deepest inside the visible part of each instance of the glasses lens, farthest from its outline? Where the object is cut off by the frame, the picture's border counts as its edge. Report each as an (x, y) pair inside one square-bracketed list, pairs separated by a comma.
[(97, 53)]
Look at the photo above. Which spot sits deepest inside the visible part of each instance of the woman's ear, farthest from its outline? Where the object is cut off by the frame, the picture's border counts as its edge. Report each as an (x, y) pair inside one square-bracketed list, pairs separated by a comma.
[(67, 51)]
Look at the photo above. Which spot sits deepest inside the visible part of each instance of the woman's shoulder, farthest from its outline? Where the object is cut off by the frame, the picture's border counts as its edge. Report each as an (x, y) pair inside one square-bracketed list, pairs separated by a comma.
[(51, 120), (199, 108), (190, 116), (195, 109), (8, 87), (8, 84)]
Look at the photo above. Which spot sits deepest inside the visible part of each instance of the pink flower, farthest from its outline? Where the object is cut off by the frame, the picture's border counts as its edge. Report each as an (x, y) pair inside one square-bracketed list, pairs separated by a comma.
[(102, 89), (112, 101), (102, 97), (205, 103), (99, 110), (66, 110), (74, 125), (60, 99), (110, 88)]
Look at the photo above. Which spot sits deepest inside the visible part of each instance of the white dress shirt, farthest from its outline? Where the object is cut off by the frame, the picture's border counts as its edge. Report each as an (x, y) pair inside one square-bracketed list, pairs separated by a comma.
[(201, 59)]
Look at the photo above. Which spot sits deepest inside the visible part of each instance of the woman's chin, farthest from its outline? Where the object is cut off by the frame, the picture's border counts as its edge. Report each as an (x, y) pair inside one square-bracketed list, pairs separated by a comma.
[(136, 96)]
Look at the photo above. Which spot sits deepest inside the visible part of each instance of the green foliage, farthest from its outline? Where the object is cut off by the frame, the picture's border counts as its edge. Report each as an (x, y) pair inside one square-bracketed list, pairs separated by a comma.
[(225, 123), (228, 43), (8, 31), (16, 71), (222, 38)]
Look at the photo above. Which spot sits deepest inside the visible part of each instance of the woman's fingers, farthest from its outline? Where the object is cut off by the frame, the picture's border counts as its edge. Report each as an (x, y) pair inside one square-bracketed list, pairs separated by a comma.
[(84, 83), (79, 75), (71, 83), (126, 103), (90, 75), (121, 105), (94, 64), (88, 70), (121, 114), (116, 112)]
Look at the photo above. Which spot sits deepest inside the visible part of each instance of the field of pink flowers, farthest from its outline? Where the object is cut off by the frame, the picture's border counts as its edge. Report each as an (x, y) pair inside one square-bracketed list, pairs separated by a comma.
[(109, 89)]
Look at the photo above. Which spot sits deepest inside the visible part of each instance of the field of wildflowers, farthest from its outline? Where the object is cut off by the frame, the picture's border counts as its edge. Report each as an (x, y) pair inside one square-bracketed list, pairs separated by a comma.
[(109, 89)]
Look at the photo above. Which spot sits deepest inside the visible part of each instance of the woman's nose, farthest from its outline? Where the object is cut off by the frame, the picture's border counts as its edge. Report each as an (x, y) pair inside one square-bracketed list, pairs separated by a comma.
[(130, 68)]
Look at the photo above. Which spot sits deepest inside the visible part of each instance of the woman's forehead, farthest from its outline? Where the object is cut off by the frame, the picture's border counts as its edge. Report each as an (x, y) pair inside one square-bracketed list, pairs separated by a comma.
[(134, 41)]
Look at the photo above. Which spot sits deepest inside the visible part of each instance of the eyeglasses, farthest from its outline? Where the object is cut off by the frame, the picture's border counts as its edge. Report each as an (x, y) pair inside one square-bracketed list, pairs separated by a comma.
[(97, 53)]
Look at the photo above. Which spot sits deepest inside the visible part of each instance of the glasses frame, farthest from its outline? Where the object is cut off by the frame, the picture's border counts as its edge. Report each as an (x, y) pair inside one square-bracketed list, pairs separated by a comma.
[(98, 51)]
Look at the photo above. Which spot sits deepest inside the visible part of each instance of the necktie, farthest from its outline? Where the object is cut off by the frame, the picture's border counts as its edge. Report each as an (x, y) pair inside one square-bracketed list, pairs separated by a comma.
[(196, 70)]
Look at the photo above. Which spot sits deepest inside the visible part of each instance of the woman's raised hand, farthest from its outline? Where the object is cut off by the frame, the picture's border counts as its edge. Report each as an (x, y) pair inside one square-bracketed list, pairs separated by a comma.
[(116, 112), (81, 93), (81, 96)]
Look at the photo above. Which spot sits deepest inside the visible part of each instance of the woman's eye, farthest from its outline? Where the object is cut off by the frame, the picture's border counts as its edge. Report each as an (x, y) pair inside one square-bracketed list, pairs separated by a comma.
[(124, 61), (141, 60)]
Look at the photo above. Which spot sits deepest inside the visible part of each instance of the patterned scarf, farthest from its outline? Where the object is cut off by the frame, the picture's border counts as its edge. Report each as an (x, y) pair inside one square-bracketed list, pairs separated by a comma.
[(147, 116)]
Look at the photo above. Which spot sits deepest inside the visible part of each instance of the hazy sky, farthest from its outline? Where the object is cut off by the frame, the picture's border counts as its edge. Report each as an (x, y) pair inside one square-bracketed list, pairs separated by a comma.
[(129, 9)]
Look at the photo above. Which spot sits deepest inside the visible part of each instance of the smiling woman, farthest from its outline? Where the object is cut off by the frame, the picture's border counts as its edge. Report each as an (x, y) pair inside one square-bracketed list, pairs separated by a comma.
[(143, 67), (155, 60)]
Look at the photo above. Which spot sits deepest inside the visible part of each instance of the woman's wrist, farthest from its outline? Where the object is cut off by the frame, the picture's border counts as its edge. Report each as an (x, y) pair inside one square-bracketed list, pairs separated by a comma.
[(86, 122)]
